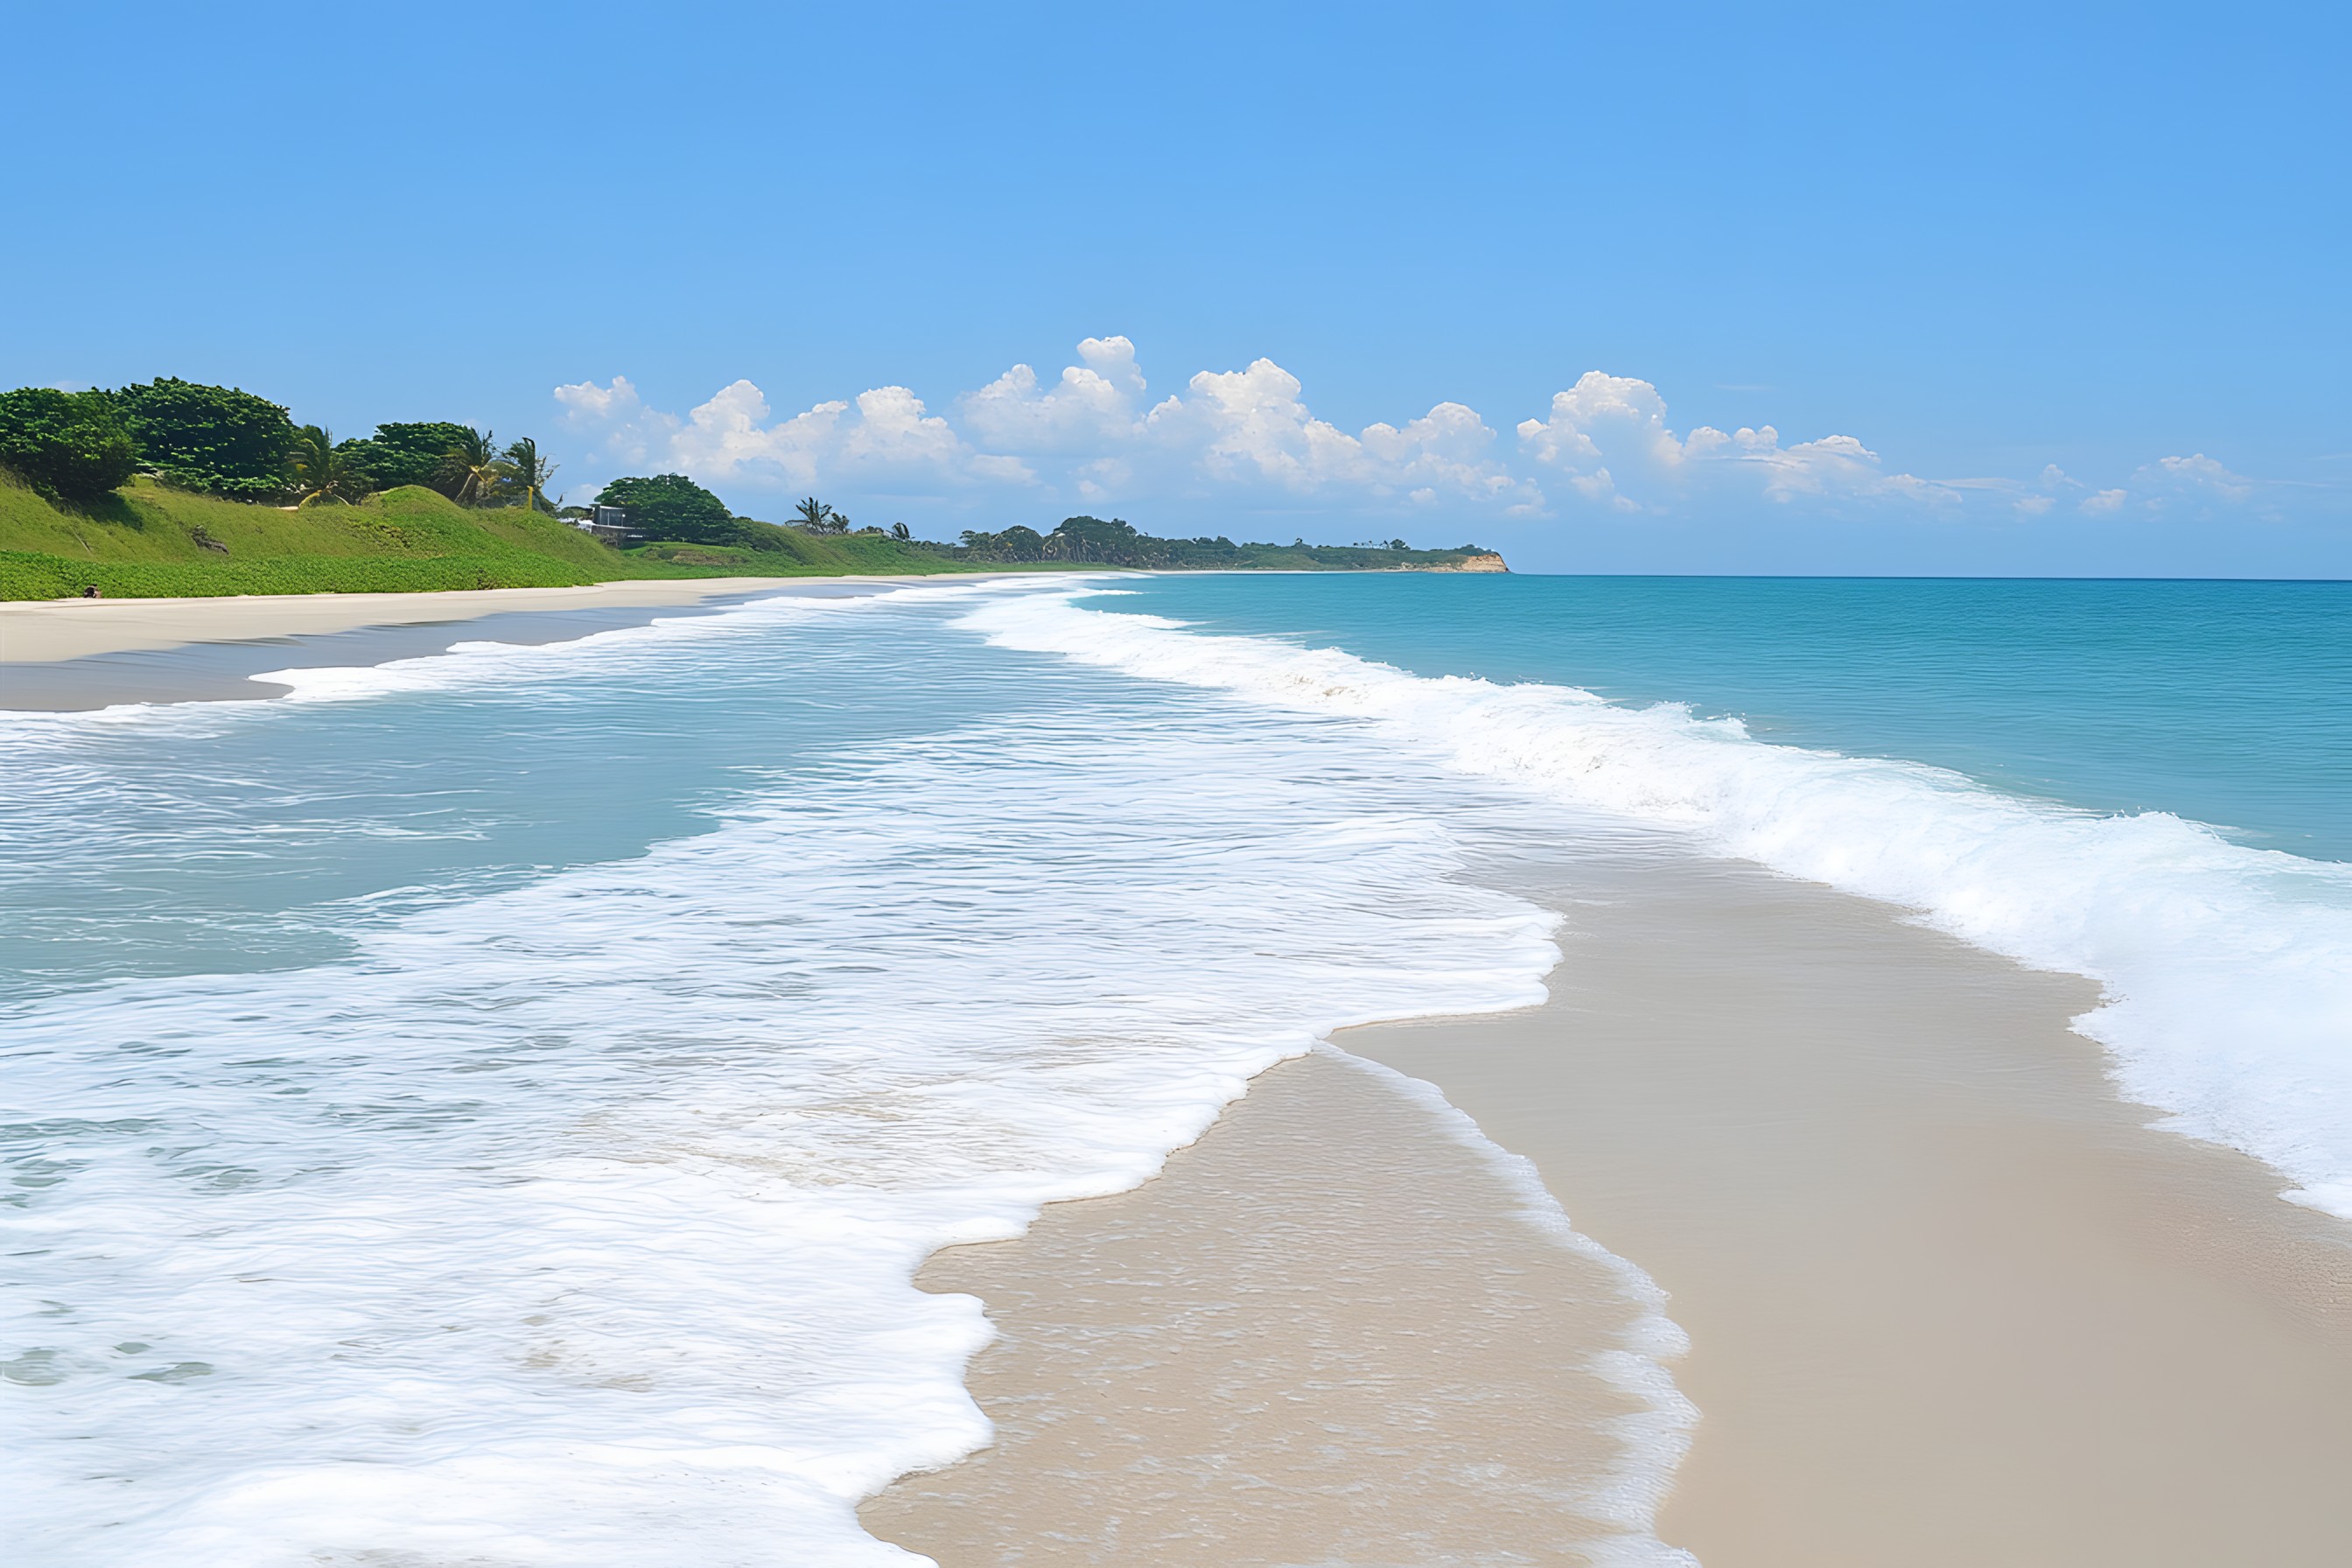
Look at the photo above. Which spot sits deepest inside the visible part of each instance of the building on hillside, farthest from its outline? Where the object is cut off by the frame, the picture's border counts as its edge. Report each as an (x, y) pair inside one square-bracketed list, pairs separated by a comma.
[(611, 524)]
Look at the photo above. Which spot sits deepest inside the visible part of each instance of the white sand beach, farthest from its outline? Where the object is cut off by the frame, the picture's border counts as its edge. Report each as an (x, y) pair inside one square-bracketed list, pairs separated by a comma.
[(1949, 1301), (40, 631)]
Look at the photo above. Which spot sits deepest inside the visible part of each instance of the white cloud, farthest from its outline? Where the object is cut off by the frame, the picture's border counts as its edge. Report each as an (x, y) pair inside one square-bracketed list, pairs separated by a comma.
[(1251, 429), (1248, 438), (1609, 435), (1094, 405), (2195, 477), (2193, 486), (885, 439)]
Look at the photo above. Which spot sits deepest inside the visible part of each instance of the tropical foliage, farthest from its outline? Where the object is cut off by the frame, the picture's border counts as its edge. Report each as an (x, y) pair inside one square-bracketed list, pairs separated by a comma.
[(325, 472), (673, 507), (523, 476), (69, 445), (818, 518), (1097, 542), (216, 439), (469, 467), (408, 453)]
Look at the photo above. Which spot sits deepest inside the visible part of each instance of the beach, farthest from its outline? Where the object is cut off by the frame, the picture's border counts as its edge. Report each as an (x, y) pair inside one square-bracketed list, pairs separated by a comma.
[(69, 654), (42, 631), (1949, 1301), (1769, 1225)]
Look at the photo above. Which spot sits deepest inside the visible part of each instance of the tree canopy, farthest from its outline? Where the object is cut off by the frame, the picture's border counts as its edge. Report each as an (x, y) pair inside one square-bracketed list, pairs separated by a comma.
[(69, 444), (213, 438), (673, 507), (408, 453)]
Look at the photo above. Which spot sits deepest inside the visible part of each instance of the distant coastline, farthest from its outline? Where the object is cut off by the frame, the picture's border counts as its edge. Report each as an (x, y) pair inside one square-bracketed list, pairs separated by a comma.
[(149, 541), (175, 489)]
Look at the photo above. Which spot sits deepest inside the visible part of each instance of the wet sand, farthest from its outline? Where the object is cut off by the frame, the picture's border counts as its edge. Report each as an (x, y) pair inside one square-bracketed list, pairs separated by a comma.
[(1949, 1301), (1325, 1335)]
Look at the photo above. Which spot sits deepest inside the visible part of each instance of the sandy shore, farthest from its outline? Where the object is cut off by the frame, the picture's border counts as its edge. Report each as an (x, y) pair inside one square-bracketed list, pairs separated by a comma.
[(1949, 1301), (85, 653), (1323, 1336), (41, 631)]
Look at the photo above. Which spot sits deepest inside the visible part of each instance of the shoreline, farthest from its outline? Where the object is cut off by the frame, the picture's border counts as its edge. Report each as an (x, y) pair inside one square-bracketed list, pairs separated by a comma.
[(1950, 1299), (48, 631), (84, 655), (1264, 1354)]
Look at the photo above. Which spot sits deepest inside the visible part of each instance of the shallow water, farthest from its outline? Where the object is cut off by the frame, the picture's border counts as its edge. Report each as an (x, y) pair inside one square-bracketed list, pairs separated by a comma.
[(492, 1106)]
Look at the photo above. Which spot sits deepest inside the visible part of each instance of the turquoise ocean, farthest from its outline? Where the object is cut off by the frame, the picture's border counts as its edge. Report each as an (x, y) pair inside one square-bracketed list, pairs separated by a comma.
[(490, 1106)]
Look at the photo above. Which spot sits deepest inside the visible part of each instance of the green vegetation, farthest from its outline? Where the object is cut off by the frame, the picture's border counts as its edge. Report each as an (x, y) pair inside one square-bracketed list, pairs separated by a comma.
[(70, 445), (1093, 542), (323, 471), (406, 454), (147, 540), (175, 489), (673, 507), (216, 440)]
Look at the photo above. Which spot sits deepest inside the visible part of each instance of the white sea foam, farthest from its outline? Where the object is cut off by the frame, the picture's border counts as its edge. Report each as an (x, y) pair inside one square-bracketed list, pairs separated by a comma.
[(576, 1222), (1657, 1436), (2228, 971)]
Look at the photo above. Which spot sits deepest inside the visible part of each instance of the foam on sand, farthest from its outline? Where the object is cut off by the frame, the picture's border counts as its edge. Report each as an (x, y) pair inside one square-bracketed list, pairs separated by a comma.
[(569, 1220), (2228, 971)]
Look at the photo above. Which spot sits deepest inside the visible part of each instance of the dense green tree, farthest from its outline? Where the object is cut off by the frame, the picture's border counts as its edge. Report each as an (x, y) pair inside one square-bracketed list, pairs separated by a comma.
[(69, 444), (323, 471), (1092, 539), (212, 438), (1015, 544), (673, 507), (408, 453)]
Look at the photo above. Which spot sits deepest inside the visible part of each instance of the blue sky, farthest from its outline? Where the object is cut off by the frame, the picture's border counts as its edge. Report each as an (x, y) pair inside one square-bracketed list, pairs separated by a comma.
[(1987, 289)]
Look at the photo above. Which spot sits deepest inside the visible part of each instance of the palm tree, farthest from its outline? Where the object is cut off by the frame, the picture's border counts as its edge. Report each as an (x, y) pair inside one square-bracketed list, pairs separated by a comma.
[(322, 473), (813, 514), (469, 469), (524, 469)]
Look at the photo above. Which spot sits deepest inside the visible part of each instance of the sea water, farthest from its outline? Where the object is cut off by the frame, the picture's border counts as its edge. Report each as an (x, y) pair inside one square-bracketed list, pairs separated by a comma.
[(488, 1108)]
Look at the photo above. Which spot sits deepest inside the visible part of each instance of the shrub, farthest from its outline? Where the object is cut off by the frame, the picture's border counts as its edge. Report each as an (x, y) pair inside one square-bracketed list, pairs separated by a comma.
[(212, 438), (69, 444)]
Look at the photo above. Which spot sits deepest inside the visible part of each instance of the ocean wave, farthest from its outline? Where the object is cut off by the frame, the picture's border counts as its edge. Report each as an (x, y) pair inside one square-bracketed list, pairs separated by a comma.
[(2227, 970), (572, 1221)]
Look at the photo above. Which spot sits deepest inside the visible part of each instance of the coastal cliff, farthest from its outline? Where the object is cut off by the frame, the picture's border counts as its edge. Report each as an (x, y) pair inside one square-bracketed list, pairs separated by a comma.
[(1488, 562)]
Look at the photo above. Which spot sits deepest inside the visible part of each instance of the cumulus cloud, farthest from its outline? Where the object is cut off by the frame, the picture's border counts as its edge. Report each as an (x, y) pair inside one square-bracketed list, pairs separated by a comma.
[(1091, 434), (1252, 427), (1087, 434), (884, 439), (1094, 405), (1608, 435)]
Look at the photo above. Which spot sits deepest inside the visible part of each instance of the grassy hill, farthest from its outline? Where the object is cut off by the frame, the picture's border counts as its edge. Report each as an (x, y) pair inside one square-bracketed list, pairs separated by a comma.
[(146, 541)]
